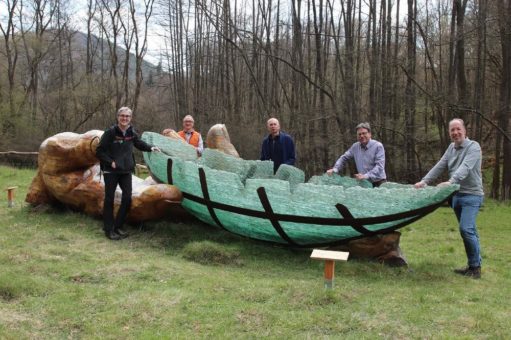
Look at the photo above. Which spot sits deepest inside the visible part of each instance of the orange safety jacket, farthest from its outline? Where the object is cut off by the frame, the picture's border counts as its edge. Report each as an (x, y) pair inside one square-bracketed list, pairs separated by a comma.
[(194, 138)]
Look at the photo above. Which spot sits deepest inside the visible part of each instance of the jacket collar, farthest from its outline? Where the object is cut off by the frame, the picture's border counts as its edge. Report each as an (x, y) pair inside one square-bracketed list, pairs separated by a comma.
[(119, 131)]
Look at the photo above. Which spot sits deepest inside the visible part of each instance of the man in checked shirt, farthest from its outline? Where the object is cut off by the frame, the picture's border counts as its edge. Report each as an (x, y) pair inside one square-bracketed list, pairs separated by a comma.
[(369, 156)]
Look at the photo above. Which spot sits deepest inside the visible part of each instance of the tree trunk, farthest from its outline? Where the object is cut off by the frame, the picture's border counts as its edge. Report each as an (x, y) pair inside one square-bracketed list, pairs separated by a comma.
[(505, 95), (410, 101)]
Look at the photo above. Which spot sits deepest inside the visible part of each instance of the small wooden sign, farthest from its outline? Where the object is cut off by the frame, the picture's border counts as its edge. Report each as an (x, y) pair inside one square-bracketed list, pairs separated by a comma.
[(318, 254), (10, 196), (329, 256)]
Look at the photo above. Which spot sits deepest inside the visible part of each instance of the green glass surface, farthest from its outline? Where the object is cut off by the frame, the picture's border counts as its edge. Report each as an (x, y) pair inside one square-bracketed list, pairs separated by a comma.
[(234, 181)]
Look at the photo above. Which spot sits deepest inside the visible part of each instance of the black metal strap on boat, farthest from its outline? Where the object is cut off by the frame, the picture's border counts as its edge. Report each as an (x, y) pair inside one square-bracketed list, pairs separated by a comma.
[(169, 171), (406, 218), (271, 216), (346, 213), (348, 220), (207, 200), (330, 221)]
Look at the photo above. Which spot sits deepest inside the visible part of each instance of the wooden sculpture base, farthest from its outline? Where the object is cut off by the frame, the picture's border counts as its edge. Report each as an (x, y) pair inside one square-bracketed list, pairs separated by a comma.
[(383, 248)]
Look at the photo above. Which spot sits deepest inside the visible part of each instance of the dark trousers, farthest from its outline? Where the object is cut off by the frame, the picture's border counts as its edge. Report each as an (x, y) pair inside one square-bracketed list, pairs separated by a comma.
[(378, 183), (111, 181)]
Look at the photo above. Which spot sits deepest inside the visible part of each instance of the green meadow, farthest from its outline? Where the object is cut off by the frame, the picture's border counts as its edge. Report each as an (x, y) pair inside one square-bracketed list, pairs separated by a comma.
[(61, 278)]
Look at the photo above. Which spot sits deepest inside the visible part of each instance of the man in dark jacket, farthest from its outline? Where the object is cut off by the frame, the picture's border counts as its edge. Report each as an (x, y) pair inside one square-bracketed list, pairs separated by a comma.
[(278, 146), (115, 152)]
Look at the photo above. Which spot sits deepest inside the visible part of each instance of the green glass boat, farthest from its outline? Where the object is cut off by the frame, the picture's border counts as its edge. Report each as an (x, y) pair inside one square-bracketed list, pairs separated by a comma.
[(245, 197)]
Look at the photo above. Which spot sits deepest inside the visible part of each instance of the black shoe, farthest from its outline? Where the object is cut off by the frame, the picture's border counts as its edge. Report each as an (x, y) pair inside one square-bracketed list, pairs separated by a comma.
[(121, 232), (473, 272), (112, 235), (462, 271)]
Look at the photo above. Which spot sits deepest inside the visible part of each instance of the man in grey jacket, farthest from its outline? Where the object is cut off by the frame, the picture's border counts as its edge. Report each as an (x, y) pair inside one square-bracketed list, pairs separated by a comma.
[(462, 160)]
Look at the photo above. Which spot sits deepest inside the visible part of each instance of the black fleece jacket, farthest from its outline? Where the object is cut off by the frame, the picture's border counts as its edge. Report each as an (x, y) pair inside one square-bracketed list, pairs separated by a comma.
[(118, 147)]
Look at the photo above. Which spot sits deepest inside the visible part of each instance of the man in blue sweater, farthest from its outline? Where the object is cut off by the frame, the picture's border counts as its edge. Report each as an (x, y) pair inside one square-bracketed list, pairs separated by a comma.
[(278, 146)]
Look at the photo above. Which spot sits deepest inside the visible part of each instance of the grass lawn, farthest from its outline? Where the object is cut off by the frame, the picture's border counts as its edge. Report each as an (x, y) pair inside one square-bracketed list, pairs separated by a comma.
[(61, 278)]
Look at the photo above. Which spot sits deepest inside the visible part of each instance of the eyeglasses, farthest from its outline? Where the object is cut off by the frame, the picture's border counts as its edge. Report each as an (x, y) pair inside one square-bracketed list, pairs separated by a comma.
[(125, 116)]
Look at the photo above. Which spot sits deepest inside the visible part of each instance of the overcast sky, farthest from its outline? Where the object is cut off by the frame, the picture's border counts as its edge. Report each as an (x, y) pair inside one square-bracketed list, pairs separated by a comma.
[(156, 42)]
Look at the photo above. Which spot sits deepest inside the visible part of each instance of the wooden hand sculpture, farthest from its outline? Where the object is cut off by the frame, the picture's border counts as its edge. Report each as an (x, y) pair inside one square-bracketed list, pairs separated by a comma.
[(68, 172)]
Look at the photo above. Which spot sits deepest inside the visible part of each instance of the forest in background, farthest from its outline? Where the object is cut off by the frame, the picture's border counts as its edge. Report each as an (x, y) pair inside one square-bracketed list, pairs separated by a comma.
[(319, 66)]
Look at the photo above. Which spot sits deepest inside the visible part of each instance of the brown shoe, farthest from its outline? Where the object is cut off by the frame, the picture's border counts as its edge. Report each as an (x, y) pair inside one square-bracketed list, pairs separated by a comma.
[(473, 272)]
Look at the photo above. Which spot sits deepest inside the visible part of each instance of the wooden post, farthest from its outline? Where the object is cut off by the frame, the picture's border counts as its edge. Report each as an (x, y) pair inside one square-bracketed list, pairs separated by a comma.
[(10, 196), (329, 273), (330, 257)]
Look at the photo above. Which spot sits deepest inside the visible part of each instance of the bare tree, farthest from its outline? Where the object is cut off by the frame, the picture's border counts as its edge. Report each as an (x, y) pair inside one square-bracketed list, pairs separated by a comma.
[(111, 30), (140, 46), (410, 102), (480, 71), (504, 112), (460, 8), (42, 16), (11, 54)]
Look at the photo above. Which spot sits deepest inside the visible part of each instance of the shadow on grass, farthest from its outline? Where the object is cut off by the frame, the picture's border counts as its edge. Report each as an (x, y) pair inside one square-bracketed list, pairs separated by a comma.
[(206, 244), (15, 285)]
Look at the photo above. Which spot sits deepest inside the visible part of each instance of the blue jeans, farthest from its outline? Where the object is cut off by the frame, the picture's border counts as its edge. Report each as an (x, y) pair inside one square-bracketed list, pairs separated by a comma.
[(466, 207)]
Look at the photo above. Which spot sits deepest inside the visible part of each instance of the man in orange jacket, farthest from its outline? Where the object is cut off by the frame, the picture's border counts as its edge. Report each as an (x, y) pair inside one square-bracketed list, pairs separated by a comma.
[(188, 134)]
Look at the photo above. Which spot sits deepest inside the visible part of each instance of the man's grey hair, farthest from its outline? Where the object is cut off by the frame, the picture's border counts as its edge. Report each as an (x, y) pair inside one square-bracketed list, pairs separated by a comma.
[(124, 109), (457, 120), (188, 117), (364, 125)]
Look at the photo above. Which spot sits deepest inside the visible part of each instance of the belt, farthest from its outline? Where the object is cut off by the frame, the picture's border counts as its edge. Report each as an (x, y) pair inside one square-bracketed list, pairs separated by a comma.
[(378, 183)]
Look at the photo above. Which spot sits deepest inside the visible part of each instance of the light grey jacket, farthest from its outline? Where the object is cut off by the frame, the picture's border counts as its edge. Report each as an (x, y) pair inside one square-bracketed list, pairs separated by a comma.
[(463, 164)]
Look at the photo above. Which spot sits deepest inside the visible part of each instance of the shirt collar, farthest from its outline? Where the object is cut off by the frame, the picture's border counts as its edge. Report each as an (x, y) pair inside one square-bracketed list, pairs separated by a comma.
[(463, 145), (367, 146)]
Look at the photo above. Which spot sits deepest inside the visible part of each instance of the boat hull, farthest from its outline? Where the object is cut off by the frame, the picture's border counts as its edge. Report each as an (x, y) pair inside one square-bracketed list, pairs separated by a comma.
[(243, 197)]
